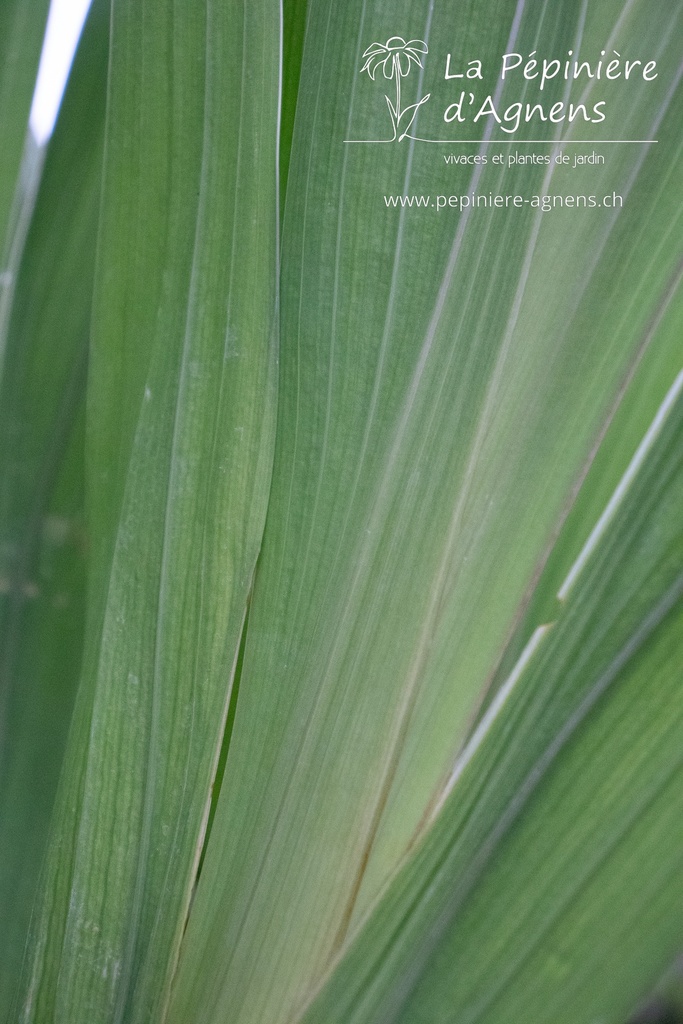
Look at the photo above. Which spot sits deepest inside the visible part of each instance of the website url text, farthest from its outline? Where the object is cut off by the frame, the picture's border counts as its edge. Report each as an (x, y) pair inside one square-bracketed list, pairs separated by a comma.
[(544, 203)]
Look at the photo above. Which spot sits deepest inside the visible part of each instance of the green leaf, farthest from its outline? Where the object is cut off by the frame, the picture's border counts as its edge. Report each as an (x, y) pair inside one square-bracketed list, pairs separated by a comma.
[(294, 13), (181, 403), (446, 381), (22, 25), (450, 771), (559, 841), (42, 530)]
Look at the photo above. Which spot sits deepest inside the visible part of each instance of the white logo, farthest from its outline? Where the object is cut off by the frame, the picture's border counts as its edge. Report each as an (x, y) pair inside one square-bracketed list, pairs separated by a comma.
[(396, 58)]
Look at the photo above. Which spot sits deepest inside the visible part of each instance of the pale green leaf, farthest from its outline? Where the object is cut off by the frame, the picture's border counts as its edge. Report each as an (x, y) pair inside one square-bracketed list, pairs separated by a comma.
[(446, 381), (549, 887)]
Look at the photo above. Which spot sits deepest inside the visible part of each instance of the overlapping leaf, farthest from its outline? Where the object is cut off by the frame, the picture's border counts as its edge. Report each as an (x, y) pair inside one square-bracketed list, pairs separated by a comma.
[(179, 450), (549, 888), (446, 381), (461, 394)]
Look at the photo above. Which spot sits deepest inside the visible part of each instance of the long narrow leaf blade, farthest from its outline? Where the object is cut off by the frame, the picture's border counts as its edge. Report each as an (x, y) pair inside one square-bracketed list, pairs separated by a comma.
[(181, 402), (42, 530)]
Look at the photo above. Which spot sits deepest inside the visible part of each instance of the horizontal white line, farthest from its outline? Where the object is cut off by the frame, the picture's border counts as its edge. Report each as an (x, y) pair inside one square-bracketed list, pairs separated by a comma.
[(516, 142)]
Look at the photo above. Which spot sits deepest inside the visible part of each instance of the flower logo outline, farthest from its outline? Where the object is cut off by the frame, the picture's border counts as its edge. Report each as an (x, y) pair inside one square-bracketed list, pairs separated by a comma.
[(396, 58)]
